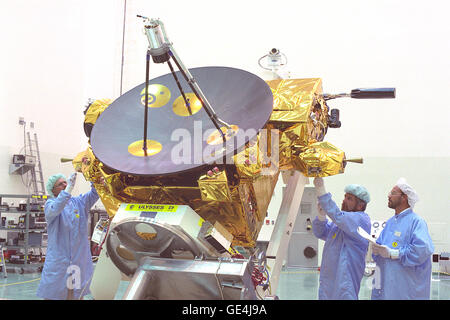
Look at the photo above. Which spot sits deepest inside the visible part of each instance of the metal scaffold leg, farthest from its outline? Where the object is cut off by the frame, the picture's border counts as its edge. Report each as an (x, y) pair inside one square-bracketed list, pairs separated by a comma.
[(279, 241)]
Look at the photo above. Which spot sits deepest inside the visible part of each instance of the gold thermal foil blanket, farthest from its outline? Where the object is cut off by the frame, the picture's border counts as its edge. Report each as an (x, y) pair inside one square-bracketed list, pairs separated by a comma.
[(294, 98), (260, 157), (300, 114), (215, 187), (86, 163), (95, 109), (320, 159)]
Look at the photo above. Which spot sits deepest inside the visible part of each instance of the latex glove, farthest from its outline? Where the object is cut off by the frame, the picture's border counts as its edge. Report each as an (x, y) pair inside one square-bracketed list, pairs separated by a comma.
[(321, 214), (320, 186), (384, 251), (71, 182)]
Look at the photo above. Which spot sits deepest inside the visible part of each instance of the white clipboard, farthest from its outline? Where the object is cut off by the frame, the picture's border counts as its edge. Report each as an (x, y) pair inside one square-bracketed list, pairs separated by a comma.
[(365, 235)]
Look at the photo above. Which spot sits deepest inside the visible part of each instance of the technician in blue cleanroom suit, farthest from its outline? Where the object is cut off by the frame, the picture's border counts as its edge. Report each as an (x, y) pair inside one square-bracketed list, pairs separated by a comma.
[(344, 252), (403, 256), (68, 264)]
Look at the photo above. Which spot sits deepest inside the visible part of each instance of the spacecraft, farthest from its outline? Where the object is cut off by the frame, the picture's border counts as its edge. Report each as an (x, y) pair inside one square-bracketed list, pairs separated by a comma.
[(185, 165)]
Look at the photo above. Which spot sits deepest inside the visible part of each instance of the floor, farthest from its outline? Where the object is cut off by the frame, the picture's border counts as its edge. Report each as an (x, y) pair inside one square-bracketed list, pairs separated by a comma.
[(304, 284), (294, 284)]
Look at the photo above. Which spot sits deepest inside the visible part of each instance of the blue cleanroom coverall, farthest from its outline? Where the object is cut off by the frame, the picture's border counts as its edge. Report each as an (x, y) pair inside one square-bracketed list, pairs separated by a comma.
[(68, 249), (408, 277), (344, 252)]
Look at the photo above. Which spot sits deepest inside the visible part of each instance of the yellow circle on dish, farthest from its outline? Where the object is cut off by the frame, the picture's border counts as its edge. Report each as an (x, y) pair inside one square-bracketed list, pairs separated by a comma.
[(215, 138), (146, 235), (125, 253), (180, 108), (158, 95), (137, 148)]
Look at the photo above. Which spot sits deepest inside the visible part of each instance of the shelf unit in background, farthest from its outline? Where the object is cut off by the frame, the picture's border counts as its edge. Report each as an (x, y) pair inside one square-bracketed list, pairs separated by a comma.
[(31, 200)]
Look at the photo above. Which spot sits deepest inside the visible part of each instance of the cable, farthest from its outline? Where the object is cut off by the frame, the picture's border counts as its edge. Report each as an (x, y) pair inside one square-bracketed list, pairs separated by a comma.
[(12, 284), (26, 183), (257, 293), (321, 134), (123, 44), (217, 279), (268, 280), (259, 62), (272, 69), (268, 276)]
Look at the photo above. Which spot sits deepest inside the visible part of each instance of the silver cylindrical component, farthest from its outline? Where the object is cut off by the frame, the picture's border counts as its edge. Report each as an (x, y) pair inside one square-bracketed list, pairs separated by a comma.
[(158, 43), (154, 34)]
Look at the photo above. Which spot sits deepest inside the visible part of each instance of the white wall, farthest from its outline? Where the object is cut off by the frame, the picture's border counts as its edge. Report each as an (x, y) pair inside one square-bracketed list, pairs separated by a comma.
[(57, 54)]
